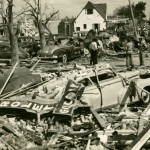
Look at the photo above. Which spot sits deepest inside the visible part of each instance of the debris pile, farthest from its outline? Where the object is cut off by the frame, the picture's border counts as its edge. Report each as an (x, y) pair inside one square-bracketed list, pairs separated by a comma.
[(52, 114)]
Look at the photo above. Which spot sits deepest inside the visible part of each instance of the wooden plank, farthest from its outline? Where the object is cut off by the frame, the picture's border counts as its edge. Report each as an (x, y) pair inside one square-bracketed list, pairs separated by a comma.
[(8, 147), (31, 69), (98, 118), (141, 139), (110, 132), (88, 143), (7, 80), (124, 99), (144, 114), (22, 90)]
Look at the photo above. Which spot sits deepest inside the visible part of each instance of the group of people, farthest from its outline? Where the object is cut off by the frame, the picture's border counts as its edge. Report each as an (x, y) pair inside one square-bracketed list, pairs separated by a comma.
[(142, 46), (129, 45), (141, 43)]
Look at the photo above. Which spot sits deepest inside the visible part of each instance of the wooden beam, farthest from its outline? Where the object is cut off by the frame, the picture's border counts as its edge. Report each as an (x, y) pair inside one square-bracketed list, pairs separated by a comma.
[(140, 140), (98, 118), (7, 80)]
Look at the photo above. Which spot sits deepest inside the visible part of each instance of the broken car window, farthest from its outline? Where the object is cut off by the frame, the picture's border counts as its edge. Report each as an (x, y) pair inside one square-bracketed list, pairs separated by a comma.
[(105, 76), (86, 82)]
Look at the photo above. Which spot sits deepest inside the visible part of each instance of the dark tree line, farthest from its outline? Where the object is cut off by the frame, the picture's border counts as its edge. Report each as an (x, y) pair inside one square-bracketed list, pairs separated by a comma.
[(138, 11)]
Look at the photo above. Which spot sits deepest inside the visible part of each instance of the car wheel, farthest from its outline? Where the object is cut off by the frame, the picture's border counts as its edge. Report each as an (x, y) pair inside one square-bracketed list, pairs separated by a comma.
[(145, 97)]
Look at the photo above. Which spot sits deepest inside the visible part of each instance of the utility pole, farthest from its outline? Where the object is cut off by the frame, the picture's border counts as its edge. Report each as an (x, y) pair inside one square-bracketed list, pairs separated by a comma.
[(132, 15)]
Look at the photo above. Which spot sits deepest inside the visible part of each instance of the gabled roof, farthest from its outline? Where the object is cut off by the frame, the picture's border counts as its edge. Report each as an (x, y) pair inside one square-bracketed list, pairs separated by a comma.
[(100, 8)]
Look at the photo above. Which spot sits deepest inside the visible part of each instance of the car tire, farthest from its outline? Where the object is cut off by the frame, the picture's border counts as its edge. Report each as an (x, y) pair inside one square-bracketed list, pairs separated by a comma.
[(145, 97)]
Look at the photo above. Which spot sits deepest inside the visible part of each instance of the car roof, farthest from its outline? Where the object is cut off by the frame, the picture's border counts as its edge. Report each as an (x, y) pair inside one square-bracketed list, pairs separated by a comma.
[(91, 74)]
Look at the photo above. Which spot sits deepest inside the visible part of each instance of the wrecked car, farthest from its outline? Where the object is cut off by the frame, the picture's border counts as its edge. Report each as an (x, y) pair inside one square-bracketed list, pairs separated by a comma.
[(58, 52), (105, 87), (5, 52)]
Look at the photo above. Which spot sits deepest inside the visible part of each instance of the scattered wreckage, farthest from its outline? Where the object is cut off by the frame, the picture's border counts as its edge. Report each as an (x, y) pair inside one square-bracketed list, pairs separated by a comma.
[(55, 113)]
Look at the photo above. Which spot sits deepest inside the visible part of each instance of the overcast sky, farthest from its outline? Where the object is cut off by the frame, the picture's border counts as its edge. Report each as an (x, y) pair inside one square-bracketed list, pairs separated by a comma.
[(73, 7)]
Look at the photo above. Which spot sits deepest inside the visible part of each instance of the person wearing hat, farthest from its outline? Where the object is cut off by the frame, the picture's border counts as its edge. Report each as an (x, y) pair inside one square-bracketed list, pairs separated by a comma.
[(129, 54), (93, 51), (142, 47)]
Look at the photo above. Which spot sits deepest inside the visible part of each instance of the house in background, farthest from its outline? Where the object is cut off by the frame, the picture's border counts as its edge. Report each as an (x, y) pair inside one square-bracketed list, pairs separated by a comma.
[(53, 26), (63, 27), (66, 27), (92, 16)]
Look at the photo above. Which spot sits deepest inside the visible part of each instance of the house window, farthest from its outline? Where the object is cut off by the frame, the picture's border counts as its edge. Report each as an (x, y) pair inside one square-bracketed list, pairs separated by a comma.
[(89, 11), (77, 28), (84, 26), (96, 26)]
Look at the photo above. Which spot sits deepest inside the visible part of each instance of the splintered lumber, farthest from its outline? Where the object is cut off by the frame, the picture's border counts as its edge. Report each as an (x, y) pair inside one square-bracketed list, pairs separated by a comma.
[(144, 114), (7, 146), (98, 118), (21, 90), (141, 139), (88, 143), (13, 92), (35, 65), (110, 132), (127, 94), (2, 89)]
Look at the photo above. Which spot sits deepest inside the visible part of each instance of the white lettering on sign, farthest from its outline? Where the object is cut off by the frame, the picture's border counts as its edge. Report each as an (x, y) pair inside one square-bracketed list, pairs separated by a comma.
[(66, 107), (30, 105), (37, 107), (15, 104), (48, 108), (26, 106), (64, 111), (4, 104)]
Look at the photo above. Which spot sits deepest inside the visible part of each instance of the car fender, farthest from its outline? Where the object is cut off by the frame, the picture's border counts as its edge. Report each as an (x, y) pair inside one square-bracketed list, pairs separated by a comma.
[(142, 83)]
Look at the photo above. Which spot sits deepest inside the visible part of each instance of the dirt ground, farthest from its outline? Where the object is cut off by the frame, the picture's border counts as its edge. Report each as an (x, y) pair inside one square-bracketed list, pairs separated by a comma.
[(118, 62)]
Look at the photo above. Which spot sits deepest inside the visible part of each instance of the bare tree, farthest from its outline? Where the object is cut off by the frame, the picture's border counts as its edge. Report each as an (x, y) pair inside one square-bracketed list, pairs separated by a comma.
[(41, 19), (8, 17)]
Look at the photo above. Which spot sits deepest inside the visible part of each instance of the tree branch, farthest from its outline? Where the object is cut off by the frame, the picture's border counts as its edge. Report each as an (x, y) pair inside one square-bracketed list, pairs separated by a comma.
[(49, 18), (31, 6), (21, 13)]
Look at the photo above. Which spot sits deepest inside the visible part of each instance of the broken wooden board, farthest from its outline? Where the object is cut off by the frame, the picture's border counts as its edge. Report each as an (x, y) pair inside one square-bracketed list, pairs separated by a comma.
[(20, 76), (129, 93), (141, 139), (100, 121), (67, 103), (4, 145)]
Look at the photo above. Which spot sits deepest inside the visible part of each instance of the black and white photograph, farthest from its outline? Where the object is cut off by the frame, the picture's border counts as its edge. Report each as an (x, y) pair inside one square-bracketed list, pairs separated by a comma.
[(74, 74)]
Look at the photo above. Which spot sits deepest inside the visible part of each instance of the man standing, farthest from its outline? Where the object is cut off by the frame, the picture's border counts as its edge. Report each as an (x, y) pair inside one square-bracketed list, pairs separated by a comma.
[(129, 54), (93, 51), (142, 47)]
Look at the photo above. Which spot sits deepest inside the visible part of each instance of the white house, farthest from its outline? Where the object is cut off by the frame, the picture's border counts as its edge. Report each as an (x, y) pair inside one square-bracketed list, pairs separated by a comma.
[(92, 16)]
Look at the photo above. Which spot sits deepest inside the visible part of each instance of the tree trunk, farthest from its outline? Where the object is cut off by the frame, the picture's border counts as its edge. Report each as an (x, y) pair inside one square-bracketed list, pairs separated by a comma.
[(12, 35), (42, 35), (13, 45), (14, 51)]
